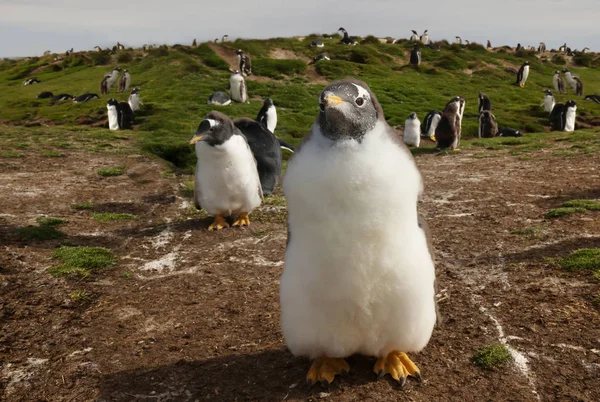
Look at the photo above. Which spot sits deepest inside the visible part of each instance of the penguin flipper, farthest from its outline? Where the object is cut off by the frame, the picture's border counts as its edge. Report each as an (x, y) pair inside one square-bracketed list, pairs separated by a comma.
[(285, 145)]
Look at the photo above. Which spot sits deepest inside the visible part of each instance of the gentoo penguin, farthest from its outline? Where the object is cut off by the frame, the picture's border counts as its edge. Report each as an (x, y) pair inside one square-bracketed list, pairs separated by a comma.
[(489, 44), (425, 38), (467, 42), (237, 87), (125, 81), (448, 131), (488, 127), (458, 40), (226, 180), (415, 55), (484, 103), (134, 99), (120, 47), (220, 99), (61, 97), (358, 274), (412, 131), (430, 123), (569, 78), (120, 115), (47, 53), (194, 43), (346, 40), (559, 83), (317, 43), (104, 85), (563, 116), (244, 62), (585, 49), (321, 56), (224, 38), (31, 81), (266, 150), (518, 47), (593, 98), (98, 48), (509, 132), (44, 95), (542, 47), (415, 36), (267, 116), (548, 101), (111, 78), (390, 40), (578, 86), (85, 97), (522, 74)]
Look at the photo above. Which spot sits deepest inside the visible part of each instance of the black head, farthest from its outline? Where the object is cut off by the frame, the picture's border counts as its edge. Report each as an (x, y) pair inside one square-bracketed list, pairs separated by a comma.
[(556, 72), (135, 91), (413, 31), (482, 96), (412, 116), (239, 51), (112, 102), (570, 103), (268, 102), (548, 92), (126, 71), (341, 29), (215, 129), (565, 70), (348, 110)]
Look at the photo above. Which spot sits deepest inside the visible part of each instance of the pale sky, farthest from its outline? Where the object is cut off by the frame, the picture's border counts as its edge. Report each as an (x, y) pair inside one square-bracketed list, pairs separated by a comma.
[(29, 27)]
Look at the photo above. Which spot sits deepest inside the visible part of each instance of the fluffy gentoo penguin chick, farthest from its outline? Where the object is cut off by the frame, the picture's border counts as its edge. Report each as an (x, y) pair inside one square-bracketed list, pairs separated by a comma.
[(415, 55), (266, 150), (484, 103), (563, 116), (430, 123), (244, 62), (120, 115), (226, 180), (219, 98), (548, 101), (237, 87), (134, 99), (448, 131), (267, 115), (488, 127), (412, 131), (522, 74), (358, 275), (124, 82), (559, 83)]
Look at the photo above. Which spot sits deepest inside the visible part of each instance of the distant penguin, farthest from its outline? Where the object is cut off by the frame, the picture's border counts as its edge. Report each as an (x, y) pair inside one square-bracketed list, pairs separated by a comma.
[(518, 47), (244, 62), (509, 132), (542, 47), (134, 99), (458, 40), (489, 44), (224, 38), (85, 98), (267, 116), (120, 115), (569, 78), (346, 40), (44, 95), (317, 43), (219, 99), (415, 56), (563, 116), (488, 127), (467, 42), (548, 101), (425, 38), (585, 49), (104, 85), (448, 131), (430, 123), (194, 43), (415, 36), (578, 86), (31, 81), (125, 81), (47, 53), (113, 76), (120, 47), (412, 131), (61, 97), (237, 87), (593, 98), (484, 103), (321, 56), (266, 150), (522, 74), (559, 83)]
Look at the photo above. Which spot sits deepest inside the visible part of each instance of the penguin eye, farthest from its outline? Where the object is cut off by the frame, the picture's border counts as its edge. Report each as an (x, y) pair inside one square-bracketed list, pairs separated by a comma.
[(359, 101)]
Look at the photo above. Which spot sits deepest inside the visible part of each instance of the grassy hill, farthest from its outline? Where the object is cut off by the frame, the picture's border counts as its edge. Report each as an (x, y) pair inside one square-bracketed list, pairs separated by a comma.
[(177, 81)]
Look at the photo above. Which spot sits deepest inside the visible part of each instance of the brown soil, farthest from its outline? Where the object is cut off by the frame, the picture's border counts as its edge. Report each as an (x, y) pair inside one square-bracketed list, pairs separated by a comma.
[(194, 315)]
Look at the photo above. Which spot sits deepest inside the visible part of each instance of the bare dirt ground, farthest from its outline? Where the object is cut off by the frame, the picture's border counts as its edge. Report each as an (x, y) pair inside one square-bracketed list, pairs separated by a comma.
[(194, 315)]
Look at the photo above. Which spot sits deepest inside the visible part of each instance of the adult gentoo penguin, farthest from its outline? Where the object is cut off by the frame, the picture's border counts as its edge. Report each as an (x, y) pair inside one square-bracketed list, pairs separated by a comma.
[(559, 83), (509, 132), (124, 82), (226, 180), (425, 38), (134, 99), (522, 74), (267, 116), (244, 62), (61, 97), (113, 76), (563, 116), (430, 123), (448, 131), (548, 101), (458, 40), (484, 103), (569, 78), (219, 98), (542, 47), (412, 131), (359, 275), (237, 87), (488, 127), (266, 150), (593, 98), (85, 97), (415, 55), (346, 40), (31, 81), (120, 115), (415, 36), (44, 95)]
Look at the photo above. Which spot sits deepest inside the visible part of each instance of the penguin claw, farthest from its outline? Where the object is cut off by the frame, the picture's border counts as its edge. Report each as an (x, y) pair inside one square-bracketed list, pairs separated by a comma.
[(243, 220), (218, 224), (324, 370), (398, 365)]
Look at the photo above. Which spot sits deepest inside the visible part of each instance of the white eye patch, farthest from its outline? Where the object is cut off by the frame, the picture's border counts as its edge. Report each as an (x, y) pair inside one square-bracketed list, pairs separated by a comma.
[(213, 123), (362, 92)]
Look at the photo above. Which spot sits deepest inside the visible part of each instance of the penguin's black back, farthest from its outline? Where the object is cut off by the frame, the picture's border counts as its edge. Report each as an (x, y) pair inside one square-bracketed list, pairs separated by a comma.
[(266, 150), (556, 117), (426, 125), (125, 116), (445, 132), (44, 95)]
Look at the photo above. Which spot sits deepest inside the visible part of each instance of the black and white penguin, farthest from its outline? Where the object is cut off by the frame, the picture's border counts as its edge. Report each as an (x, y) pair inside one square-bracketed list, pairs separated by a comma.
[(518, 47), (224, 38), (522, 74), (354, 240), (548, 101), (219, 99), (578, 86), (484, 103), (458, 40), (120, 47), (425, 38), (542, 47), (585, 49), (317, 43), (559, 83), (266, 150), (244, 62), (31, 81), (61, 97), (124, 82), (237, 87), (433, 46), (134, 99), (120, 115), (488, 127), (593, 98), (194, 43), (44, 95), (448, 131), (346, 40), (226, 179), (489, 44), (111, 79), (267, 115), (430, 123), (47, 53), (412, 131), (104, 85), (415, 55), (415, 36), (509, 132), (98, 48), (85, 98), (569, 78), (563, 116), (467, 42), (321, 56)]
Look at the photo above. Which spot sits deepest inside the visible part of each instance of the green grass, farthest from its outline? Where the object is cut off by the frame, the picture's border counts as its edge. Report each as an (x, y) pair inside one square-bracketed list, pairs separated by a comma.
[(83, 206), (111, 171), (40, 233), (492, 356), (586, 204), (560, 212), (52, 154), (79, 296), (43, 221), (584, 259), (111, 216), (10, 154), (530, 232), (81, 261)]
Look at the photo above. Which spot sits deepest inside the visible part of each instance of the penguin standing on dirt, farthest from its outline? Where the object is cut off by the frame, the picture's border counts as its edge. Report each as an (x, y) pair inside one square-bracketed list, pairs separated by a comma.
[(448, 131), (488, 127), (548, 101), (563, 116), (124, 82), (415, 55), (359, 273), (415, 36), (412, 131), (226, 179), (522, 74), (425, 38), (120, 115), (559, 83), (484, 103), (267, 115), (219, 99), (244, 62), (430, 123), (134, 99), (237, 87)]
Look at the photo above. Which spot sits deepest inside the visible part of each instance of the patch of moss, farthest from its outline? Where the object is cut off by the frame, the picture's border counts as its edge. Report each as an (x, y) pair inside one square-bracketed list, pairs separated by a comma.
[(274, 68), (52, 154), (43, 221), (493, 356), (81, 261), (78, 296), (11, 154), (41, 233), (83, 206), (587, 204), (110, 216), (532, 232), (111, 171), (586, 259), (559, 212)]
